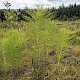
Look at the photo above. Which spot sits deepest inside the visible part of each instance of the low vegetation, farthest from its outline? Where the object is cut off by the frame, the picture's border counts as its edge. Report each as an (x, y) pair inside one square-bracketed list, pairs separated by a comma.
[(38, 48)]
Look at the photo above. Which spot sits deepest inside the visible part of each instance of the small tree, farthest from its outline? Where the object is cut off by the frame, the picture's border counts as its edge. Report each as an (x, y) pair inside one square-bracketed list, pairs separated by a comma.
[(7, 4), (10, 15), (34, 14)]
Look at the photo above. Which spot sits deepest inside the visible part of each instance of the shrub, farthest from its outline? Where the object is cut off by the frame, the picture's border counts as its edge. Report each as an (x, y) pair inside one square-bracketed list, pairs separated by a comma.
[(12, 43)]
